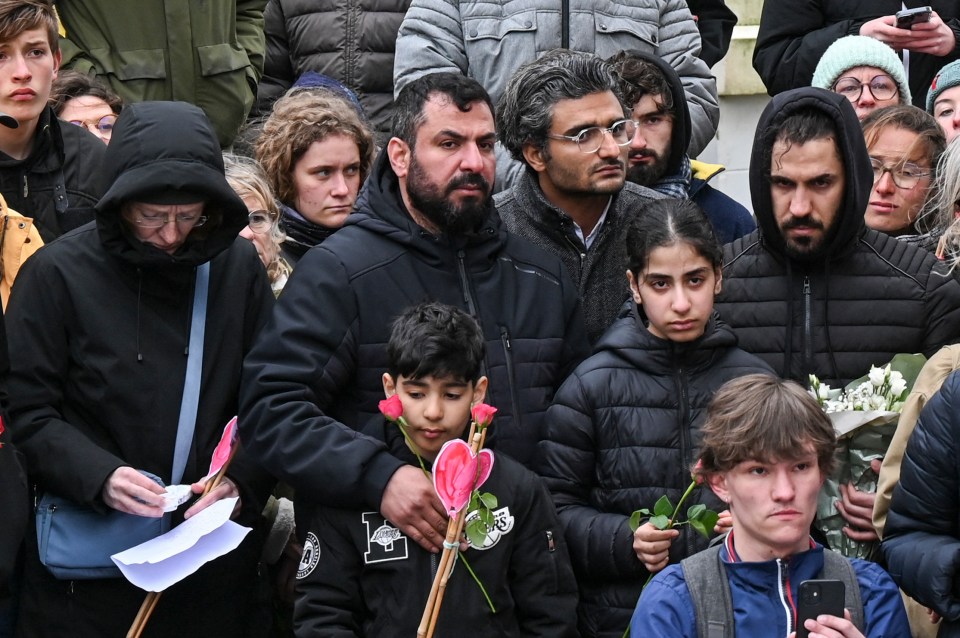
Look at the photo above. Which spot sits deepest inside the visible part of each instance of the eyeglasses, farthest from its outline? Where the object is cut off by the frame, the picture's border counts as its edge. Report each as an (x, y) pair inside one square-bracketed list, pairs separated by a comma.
[(159, 221), (882, 87), (904, 176), (259, 221), (103, 126), (589, 140)]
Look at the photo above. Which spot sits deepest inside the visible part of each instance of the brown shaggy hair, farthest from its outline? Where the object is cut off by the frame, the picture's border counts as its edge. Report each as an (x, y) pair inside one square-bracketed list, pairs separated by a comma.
[(17, 16)]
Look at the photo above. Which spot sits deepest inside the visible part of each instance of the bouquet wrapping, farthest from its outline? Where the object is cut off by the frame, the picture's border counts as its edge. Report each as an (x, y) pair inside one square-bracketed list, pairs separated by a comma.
[(864, 416)]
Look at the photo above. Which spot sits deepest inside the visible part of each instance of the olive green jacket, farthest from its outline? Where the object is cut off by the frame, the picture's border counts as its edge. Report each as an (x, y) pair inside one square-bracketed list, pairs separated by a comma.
[(206, 52)]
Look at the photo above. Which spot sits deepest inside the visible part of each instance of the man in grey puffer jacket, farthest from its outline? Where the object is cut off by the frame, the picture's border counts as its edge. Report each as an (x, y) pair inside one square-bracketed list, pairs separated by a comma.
[(563, 119), (490, 39)]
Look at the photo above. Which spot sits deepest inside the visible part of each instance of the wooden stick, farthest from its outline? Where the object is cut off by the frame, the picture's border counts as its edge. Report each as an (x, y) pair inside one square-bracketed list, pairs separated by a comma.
[(451, 548), (153, 597)]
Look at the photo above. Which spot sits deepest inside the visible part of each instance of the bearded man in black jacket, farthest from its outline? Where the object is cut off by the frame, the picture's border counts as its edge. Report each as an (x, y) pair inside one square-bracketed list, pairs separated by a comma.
[(423, 229), (813, 290)]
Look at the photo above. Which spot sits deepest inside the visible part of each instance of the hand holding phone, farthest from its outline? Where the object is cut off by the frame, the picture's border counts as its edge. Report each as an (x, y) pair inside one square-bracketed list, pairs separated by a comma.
[(909, 17), (818, 597)]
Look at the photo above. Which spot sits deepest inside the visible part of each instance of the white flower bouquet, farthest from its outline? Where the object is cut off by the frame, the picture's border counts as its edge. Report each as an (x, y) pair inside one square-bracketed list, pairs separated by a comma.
[(864, 415)]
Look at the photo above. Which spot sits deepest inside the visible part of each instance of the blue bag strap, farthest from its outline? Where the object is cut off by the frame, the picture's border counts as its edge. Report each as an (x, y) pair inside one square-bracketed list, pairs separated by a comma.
[(191, 385)]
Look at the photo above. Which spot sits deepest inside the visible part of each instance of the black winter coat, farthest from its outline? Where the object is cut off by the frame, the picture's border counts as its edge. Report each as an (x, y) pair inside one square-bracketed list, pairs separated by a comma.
[(921, 541), (98, 325), (599, 271), (314, 375), (364, 587), (794, 35), (622, 432), (59, 183), (864, 298), (352, 41)]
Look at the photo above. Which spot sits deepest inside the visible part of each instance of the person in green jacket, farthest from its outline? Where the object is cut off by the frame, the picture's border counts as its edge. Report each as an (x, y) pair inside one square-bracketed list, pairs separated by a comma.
[(207, 53)]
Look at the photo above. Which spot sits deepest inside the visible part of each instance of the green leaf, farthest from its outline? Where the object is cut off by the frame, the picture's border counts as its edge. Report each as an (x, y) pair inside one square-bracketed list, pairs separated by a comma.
[(660, 522), (635, 519), (709, 520), (701, 528), (696, 511), (489, 500), (476, 533), (663, 507), (644, 511), (487, 518), (474, 501)]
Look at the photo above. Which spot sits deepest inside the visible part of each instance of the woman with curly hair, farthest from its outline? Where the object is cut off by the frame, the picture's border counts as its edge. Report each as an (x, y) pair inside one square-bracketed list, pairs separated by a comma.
[(316, 151)]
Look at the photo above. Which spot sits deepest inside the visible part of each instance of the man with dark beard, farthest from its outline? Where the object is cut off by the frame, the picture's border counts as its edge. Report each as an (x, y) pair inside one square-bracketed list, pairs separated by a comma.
[(813, 290), (657, 156), (423, 229), (563, 118)]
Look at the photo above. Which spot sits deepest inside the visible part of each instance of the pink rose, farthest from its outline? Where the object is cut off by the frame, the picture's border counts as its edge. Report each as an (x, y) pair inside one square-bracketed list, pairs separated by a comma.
[(392, 408), (483, 414), (697, 473)]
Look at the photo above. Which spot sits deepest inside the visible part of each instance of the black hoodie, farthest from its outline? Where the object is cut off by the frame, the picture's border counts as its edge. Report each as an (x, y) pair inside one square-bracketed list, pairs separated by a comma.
[(862, 299), (314, 376), (98, 326)]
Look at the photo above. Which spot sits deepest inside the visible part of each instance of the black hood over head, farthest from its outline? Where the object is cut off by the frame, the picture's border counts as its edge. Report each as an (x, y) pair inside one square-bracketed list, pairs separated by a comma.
[(853, 154), (167, 152), (680, 140)]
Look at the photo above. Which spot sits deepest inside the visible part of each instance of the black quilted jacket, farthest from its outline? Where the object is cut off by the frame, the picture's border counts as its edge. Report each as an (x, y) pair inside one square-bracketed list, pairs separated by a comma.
[(867, 298)]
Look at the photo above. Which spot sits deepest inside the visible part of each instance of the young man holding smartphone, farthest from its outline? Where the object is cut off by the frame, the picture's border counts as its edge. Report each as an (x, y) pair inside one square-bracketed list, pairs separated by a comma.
[(767, 448)]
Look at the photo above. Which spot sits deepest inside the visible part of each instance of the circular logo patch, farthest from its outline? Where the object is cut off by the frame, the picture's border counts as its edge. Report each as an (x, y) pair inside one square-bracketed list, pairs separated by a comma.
[(310, 557)]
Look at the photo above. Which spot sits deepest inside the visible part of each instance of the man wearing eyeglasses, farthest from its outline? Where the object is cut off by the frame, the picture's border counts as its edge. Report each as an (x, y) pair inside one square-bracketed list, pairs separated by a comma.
[(813, 290), (562, 117)]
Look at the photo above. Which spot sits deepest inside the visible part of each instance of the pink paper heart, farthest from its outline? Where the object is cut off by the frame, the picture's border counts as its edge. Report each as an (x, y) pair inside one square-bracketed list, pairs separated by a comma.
[(457, 472)]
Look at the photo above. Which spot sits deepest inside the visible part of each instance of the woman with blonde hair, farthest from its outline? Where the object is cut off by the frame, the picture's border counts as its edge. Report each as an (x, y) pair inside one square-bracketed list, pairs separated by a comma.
[(247, 179), (316, 152)]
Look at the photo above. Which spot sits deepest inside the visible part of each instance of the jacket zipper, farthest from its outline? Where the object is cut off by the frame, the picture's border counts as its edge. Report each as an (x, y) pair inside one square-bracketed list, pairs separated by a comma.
[(26, 189), (807, 327), (583, 257), (508, 358), (465, 285), (684, 439), (783, 589)]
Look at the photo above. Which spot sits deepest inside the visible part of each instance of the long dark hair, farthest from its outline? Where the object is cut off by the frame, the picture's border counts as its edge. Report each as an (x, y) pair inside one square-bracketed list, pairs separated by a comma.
[(665, 222)]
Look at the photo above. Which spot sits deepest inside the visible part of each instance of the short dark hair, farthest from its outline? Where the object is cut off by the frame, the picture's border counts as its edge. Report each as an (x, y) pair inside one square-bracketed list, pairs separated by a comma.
[(525, 111), (72, 84), (408, 108), (761, 417), (640, 77), (665, 222), (803, 125), (435, 340)]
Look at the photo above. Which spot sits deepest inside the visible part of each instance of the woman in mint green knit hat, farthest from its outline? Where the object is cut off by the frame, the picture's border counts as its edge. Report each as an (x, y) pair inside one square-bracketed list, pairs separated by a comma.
[(866, 71)]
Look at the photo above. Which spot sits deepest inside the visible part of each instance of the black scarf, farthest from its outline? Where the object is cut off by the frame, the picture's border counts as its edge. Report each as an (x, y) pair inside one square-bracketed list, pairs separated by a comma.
[(301, 234)]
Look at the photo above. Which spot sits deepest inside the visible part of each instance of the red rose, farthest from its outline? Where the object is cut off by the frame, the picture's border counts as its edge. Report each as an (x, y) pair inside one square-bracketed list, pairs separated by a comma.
[(483, 414), (392, 408)]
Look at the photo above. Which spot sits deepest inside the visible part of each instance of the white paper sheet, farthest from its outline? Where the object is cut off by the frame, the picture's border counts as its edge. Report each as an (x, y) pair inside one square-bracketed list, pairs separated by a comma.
[(168, 559)]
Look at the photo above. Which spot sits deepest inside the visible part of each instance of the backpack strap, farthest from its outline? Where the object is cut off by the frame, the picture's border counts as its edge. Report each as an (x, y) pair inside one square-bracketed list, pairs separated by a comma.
[(837, 567), (706, 579)]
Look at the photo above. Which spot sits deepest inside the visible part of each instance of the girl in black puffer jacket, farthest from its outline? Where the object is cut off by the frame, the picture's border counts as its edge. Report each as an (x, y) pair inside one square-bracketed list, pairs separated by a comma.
[(624, 427)]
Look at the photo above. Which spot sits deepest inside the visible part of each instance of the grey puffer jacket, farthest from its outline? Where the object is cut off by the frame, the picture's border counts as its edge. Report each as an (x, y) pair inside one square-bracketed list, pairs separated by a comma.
[(351, 41), (490, 40), (597, 271)]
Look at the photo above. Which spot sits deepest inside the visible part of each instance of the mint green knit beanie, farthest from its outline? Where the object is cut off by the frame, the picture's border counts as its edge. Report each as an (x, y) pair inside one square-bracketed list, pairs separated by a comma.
[(946, 78), (858, 50)]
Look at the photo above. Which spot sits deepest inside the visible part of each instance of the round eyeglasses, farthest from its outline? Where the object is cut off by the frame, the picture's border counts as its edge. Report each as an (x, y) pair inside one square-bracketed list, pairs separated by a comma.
[(259, 221), (589, 140), (102, 127), (904, 176), (159, 221), (881, 87)]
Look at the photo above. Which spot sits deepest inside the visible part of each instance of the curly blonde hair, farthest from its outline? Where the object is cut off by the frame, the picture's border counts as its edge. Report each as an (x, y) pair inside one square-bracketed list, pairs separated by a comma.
[(299, 119)]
